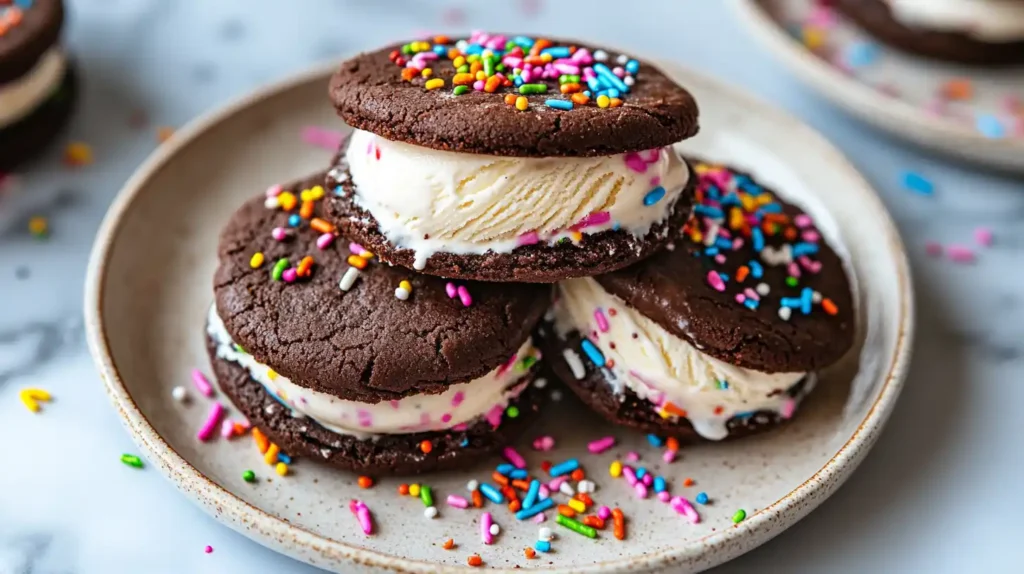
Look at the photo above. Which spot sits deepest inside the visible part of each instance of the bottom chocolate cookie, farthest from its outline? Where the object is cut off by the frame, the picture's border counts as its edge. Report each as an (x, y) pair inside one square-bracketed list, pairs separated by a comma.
[(594, 387), (29, 136), (386, 454)]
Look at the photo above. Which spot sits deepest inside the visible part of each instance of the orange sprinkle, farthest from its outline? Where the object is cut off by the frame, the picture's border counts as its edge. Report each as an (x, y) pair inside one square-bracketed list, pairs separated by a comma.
[(585, 498), (238, 429), (672, 443), (509, 492), (829, 306), (580, 99), (322, 225), (539, 45), (262, 442), (448, 544), (790, 233), (594, 522), (570, 88), (426, 447), (742, 273), (564, 510), (577, 475), (530, 553), (492, 84), (287, 200), (403, 489), (672, 409), (510, 99), (718, 410), (453, 53), (958, 89), (475, 560), (306, 211), (478, 499), (689, 482), (305, 266), (521, 484), (620, 524), (515, 505), (616, 102), (164, 133), (270, 457), (463, 79), (357, 261), (499, 478), (365, 482), (534, 60), (408, 74), (442, 39), (475, 67)]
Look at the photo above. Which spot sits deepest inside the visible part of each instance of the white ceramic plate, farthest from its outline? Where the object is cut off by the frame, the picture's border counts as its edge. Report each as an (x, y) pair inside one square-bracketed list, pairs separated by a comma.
[(895, 91), (149, 287)]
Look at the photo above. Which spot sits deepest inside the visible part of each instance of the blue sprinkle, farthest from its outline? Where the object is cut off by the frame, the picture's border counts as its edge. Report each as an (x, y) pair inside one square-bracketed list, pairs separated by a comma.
[(861, 54), (755, 269), (518, 474), (751, 304), (558, 104), (282, 457), (640, 472), (440, 50), (535, 509), (542, 546), (771, 208), (492, 493), (791, 302), (531, 495), (714, 192), (339, 191), (613, 93), (564, 467), (557, 51), (593, 353), (805, 300), (518, 81), (616, 226), (991, 127), (918, 183), (294, 220), (707, 211), (723, 243), (606, 74), (654, 196), (24, 4), (723, 385), (731, 199), (632, 66), (701, 498), (804, 248), (474, 49), (505, 468), (758, 239), (594, 85), (745, 415), (724, 276), (523, 41), (655, 440), (711, 251), (659, 484), (464, 443)]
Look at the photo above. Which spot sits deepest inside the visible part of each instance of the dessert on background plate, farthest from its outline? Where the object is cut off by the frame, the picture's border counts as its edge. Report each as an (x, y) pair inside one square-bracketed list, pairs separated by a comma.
[(37, 81), (718, 336), (980, 32), (386, 372), (510, 158)]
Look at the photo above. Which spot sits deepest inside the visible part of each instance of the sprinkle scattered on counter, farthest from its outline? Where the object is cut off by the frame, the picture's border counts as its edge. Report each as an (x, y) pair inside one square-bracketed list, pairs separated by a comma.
[(39, 227), (208, 549), (132, 460), (32, 397), (917, 183), (164, 133), (78, 154)]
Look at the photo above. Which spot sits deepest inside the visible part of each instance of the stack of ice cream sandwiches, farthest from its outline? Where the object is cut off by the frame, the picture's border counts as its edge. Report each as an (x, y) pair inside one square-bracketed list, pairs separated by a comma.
[(500, 196), (37, 82)]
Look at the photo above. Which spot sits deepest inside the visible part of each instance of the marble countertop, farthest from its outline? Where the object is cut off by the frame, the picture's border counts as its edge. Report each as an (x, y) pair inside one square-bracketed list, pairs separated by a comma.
[(938, 493)]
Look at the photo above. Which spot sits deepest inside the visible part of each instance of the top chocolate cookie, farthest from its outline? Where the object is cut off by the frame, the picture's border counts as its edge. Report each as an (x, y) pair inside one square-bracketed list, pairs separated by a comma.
[(513, 96), (28, 28)]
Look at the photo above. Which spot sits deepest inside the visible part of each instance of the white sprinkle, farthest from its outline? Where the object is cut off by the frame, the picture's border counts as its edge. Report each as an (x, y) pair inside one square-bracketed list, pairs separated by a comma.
[(600, 55), (472, 485), (179, 393), (495, 530), (272, 202), (430, 512), (349, 279), (575, 364), (401, 294), (540, 383), (763, 289), (628, 80), (565, 489), (545, 534), (585, 486), (556, 395), (816, 297), (622, 59), (785, 313)]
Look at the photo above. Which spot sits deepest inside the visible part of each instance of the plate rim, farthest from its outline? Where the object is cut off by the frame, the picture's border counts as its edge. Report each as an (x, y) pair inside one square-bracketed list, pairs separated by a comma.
[(870, 105), (271, 531)]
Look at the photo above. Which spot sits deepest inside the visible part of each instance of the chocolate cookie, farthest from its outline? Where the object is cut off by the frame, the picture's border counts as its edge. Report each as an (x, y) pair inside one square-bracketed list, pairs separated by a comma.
[(595, 253), (386, 454), (28, 29), (878, 19), (364, 344), (721, 333), (29, 136), (390, 93)]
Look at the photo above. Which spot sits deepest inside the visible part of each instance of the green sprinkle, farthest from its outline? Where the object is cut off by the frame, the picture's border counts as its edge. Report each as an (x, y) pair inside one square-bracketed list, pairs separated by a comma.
[(577, 527), (473, 58), (131, 460), (489, 67), (510, 45), (427, 496), (239, 348), (512, 412), (791, 281), (463, 69), (249, 476), (459, 90), (739, 516), (500, 67), (573, 78), (527, 363), (407, 49), (533, 89), (279, 268)]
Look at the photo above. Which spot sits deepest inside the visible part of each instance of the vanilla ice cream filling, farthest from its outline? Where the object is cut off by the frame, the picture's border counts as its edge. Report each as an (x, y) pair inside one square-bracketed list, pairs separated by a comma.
[(666, 370), (24, 95), (455, 409), (986, 20), (434, 201)]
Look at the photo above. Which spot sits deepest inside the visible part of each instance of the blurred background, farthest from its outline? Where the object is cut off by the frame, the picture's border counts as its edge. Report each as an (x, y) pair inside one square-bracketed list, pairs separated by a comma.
[(152, 64)]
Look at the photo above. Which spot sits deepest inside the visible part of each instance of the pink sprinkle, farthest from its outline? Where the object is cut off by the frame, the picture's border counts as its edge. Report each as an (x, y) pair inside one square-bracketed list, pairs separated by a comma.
[(206, 431), (812, 266), (811, 236), (683, 506), (594, 219), (514, 457), (715, 280), (458, 398), (740, 298), (528, 238), (450, 289), (648, 479), (485, 528), (227, 428), (446, 418), (627, 471), (720, 258), (279, 233), (632, 456), (932, 248), (602, 321), (527, 76), (355, 248), (668, 456), (512, 62), (788, 408), (329, 140), (960, 254), (457, 501), (394, 404), (793, 268), (325, 241), (208, 549), (751, 294), (478, 85), (803, 221), (202, 383), (983, 235), (290, 275), (589, 73), (493, 416), (604, 512), (555, 483), (635, 162), (600, 445), (656, 181), (543, 443), (664, 496), (822, 17), (544, 492), (619, 71), (567, 69), (464, 296), (640, 489), (362, 513), (540, 517), (274, 191)]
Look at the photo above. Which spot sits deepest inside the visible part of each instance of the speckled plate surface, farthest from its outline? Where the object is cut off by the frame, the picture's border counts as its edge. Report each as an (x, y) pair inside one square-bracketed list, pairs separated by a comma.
[(896, 92), (149, 287)]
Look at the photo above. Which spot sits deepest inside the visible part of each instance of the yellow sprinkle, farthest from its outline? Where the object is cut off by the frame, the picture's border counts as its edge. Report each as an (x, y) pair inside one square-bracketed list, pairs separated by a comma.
[(522, 103), (257, 260), (481, 75), (615, 470), (281, 469), (603, 101), (271, 374), (459, 62), (78, 154), (473, 58), (317, 192), (664, 414), (287, 200), (434, 84), (577, 505), (487, 53), (404, 284), (576, 236), (414, 490), (366, 255), (427, 72), (38, 226), (304, 195), (31, 397), (271, 455), (814, 38)]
